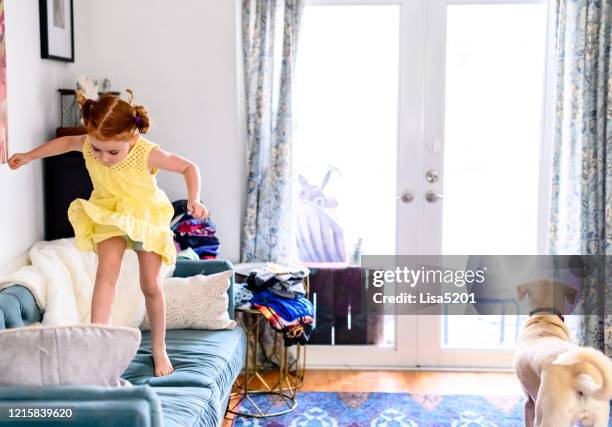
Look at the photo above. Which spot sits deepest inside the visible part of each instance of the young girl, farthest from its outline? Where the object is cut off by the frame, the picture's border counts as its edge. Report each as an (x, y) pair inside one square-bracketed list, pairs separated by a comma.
[(126, 208)]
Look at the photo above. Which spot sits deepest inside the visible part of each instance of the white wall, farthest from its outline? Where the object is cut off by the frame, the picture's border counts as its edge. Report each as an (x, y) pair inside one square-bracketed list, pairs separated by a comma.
[(32, 85), (182, 62)]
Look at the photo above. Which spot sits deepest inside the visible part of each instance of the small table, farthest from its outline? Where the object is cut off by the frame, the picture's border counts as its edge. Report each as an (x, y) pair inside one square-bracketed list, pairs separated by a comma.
[(286, 383)]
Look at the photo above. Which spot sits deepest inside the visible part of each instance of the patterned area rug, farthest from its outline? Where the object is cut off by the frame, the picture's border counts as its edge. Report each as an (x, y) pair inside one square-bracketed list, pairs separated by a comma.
[(390, 410)]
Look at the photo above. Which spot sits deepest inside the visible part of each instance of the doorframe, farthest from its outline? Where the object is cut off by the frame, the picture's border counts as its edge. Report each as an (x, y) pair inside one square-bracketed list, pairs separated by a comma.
[(418, 42), (548, 130), (409, 137)]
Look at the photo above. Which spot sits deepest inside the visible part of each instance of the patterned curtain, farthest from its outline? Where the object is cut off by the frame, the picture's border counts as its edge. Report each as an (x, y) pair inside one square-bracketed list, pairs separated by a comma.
[(269, 42), (581, 209)]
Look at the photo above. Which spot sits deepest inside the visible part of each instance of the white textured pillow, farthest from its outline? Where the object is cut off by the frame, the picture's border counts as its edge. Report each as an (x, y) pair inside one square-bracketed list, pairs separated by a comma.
[(197, 302), (67, 355)]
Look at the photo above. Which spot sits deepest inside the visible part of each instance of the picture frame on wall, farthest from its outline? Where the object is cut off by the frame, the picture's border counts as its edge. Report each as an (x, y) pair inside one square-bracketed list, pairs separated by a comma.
[(57, 30), (3, 115)]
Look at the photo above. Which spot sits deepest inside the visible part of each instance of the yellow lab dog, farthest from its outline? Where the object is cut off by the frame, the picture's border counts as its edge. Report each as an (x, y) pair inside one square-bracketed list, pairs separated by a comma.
[(565, 384)]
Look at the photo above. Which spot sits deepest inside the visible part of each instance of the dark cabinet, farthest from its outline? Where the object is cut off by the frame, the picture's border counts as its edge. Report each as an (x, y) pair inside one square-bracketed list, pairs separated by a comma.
[(65, 178)]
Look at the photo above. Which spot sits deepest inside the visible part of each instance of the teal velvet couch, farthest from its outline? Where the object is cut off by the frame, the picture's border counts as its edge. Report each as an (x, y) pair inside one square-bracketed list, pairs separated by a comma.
[(196, 394)]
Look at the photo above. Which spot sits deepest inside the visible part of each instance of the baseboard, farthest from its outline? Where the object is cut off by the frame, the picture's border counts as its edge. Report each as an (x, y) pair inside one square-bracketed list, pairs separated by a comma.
[(406, 368)]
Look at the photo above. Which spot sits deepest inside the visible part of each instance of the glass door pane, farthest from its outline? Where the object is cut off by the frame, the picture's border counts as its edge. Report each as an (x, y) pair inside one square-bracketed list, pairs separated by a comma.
[(344, 160), (345, 131), (494, 89), (488, 118)]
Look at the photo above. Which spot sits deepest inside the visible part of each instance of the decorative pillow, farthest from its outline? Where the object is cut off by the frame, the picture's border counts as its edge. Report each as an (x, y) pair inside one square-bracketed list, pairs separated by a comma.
[(67, 355), (197, 302)]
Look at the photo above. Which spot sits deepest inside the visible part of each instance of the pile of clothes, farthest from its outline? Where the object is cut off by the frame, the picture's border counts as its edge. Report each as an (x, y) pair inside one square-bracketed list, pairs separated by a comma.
[(278, 293), (194, 238)]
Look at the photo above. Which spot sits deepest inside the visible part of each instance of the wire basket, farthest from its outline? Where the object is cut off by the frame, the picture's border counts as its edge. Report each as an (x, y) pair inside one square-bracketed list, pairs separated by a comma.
[(70, 113)]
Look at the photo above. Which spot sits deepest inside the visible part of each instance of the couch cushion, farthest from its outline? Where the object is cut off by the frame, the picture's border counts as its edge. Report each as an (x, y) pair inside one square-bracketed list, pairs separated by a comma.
[(200, 358), (189, 406), (190, 267), (197, 302), (66, 355)]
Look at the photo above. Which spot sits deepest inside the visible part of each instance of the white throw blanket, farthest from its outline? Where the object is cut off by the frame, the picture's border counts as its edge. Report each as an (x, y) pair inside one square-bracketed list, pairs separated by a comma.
[(62, 278)]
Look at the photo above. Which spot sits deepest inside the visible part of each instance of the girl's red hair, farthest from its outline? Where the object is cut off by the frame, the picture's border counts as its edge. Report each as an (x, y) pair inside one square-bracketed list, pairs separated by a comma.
[(110, 117)]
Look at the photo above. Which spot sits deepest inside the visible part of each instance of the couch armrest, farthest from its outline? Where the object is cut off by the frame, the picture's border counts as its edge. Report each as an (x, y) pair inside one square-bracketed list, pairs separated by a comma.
[(18, 307), (190, 267), (136, 406)]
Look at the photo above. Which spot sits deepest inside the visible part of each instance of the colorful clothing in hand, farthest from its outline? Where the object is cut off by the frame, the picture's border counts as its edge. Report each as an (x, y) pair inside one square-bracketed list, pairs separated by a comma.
[(194, 227), (197, 234)]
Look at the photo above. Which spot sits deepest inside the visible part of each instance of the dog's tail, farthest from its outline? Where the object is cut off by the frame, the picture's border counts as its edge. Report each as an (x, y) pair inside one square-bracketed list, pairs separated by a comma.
[(586, 363)]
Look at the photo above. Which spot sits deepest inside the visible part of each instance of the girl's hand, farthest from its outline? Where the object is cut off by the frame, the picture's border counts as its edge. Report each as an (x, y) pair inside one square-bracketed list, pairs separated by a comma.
[(197, 209), (18, 160)]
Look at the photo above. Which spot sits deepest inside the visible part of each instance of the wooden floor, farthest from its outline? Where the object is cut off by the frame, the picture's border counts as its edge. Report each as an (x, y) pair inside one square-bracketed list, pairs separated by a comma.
[(489, 383)]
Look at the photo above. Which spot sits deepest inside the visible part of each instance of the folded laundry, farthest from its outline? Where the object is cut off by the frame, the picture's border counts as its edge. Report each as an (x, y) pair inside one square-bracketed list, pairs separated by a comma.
[(277, 321), (295, 332), (290, 285), (278, 292), (288, 290), (242, 296), (288, 309)]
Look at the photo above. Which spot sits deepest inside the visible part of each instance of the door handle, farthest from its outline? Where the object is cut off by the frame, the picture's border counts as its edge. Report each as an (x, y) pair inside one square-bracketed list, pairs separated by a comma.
[(433, 197), (406, 196)]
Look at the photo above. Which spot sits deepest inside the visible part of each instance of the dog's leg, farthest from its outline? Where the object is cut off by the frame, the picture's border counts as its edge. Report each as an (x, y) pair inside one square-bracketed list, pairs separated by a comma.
[(550, 414), (529, 412), (601, 422), (602, 416)]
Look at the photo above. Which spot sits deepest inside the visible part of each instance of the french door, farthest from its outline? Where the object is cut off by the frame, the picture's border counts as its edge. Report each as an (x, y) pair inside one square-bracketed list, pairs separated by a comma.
[(450, 116)]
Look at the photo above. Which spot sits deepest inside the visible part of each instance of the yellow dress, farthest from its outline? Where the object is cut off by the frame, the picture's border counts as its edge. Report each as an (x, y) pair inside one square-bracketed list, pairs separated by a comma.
[(125, 201)]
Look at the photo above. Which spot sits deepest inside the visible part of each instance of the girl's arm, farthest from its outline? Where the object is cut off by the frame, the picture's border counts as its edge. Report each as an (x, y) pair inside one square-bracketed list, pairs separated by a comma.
[(161, 159), (52, 148)]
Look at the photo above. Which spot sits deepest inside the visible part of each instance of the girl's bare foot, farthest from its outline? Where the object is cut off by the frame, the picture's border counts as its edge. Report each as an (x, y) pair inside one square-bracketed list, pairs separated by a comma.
[(162, 363)]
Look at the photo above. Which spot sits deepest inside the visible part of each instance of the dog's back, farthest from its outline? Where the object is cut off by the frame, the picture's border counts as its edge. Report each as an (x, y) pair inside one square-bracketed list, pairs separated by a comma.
[(543, 338), (532, 356)]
